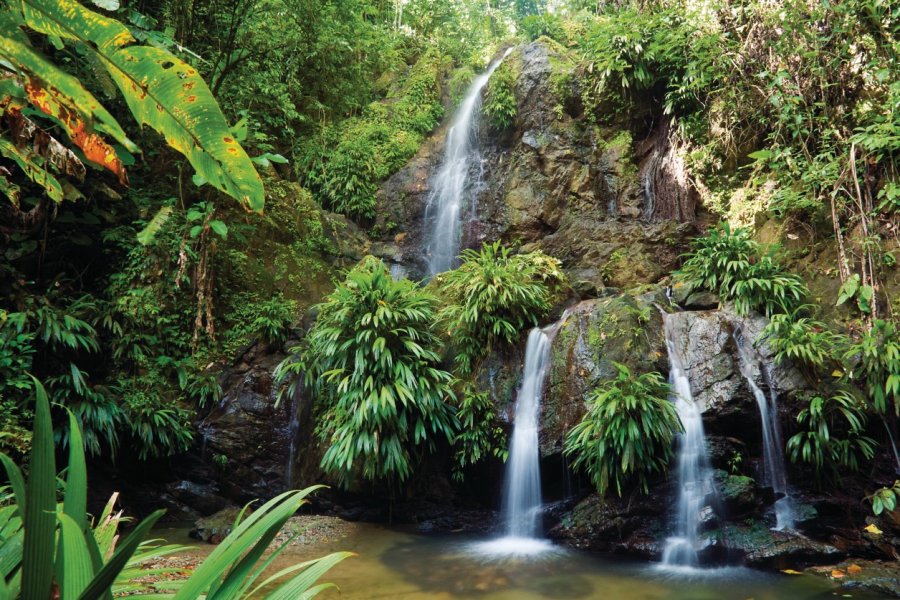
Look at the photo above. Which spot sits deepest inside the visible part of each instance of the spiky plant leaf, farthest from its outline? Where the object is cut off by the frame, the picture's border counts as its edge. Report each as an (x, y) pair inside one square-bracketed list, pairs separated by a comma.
[(40, 514)]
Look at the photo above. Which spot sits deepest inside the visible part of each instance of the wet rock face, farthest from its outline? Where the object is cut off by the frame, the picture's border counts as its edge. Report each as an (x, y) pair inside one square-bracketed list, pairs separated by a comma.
[(705, 340), (248, 429), (625, 329), (552, 181)]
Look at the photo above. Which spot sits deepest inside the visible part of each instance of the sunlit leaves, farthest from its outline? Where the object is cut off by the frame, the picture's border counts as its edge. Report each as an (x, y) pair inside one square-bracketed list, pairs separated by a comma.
[(162, 92), (493, 296)]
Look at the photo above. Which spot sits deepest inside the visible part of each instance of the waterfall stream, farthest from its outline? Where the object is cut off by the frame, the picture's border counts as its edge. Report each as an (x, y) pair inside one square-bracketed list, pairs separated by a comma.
[(458, 177), (522, 483), (695, 482), (773, 454)]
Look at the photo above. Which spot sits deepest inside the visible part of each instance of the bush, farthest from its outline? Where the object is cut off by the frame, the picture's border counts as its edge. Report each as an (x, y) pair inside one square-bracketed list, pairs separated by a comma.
[(493, 296), (545, 24), (875, 360), (802, 340), (500, 106), (480, 434), (344, 164), (728, 262), (372, 358), (832, 434), (627, 432)]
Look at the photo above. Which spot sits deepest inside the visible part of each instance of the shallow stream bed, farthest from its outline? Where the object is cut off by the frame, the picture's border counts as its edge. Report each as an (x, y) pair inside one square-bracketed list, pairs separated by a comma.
[(392, 563)]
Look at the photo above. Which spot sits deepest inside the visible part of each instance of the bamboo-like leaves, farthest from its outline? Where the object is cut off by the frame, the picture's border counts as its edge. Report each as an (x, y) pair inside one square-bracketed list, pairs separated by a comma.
[(162, 92)]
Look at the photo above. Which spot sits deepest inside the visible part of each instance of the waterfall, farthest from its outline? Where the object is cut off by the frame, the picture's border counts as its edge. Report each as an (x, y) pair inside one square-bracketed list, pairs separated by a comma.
[(773, 455), (522, 485), (695, 482), (451, 184)]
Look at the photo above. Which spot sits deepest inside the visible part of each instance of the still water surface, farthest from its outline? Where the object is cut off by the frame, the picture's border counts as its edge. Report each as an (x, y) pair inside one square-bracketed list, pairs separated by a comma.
[(409, 566)]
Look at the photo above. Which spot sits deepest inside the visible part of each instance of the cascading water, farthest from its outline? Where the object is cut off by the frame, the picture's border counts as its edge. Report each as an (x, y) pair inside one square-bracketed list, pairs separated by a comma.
[(522, 484), (459, 175), (522, 487), (773, 455), (695, 482)]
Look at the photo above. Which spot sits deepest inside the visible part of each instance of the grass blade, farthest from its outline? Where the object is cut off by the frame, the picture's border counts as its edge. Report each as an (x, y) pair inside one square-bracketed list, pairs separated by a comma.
[(40, 514)]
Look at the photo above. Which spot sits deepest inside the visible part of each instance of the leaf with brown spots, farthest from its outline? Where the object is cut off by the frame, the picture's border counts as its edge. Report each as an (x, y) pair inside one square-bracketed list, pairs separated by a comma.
[(161, 90), (32, 166), (26, 133)]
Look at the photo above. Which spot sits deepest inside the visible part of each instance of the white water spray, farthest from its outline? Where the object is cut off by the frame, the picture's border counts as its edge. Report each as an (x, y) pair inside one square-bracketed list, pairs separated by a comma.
[(695, 482), (773, 456), (522, 484), (458, 178)]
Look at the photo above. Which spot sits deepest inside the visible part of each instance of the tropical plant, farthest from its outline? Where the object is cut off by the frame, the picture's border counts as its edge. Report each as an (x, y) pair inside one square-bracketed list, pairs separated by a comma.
[(801, 339), (372, 357), (875, 361), (500, 105), (627, 433), (728, 262), (49, 548), (885, 498), (162, 92), (833, 433), (493, 296), (717, 259), (480, 434)]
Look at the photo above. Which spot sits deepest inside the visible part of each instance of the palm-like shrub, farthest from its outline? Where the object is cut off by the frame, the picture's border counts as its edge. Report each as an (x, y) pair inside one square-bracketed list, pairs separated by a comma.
[(718, 258), (728, 262), (480, 434), (627, 433), (875, 360), (372, 356), (802, 340), (832, 434), (493, 296), (500, 99)]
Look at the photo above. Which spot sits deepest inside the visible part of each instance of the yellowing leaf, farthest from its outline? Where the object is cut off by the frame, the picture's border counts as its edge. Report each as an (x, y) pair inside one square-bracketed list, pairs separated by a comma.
[(873, 529), (791, 572), (162, 92), (854, 569), (837, 573), (28, 162)]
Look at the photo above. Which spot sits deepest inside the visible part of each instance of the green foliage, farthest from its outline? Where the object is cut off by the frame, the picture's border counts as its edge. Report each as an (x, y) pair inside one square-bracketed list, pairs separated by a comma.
[(853, 289), (480, 434), (545, 24), (493, 296), (627, 433), (500, 105), (270, 319), (875, 360), (372, 357), (802, 340), (344, 164), (885, 498), (631, 50), (728, 262), (832, 434), (162, 92), (93, 562)]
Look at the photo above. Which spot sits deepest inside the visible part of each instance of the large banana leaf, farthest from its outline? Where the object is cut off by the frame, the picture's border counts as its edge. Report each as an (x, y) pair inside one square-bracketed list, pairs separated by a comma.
[(162, 92)]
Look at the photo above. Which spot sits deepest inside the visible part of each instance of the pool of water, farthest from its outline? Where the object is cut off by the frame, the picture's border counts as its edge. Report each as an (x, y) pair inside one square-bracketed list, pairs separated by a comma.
[(393, 563)]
